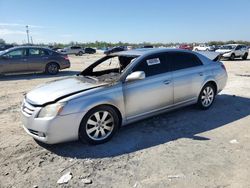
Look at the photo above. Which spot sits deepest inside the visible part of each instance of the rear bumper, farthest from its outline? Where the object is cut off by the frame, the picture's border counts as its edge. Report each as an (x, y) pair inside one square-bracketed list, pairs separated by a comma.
[(65, 65)]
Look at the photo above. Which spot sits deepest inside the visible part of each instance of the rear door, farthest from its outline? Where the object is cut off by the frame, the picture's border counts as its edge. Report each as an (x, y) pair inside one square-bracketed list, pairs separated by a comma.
[(188, 76), (238, 50), (152, 93), (37, 59), (14, 61)]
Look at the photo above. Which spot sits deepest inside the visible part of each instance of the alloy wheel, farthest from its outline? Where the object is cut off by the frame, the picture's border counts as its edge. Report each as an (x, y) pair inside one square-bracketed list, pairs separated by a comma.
[(207, 96), (100, 125)]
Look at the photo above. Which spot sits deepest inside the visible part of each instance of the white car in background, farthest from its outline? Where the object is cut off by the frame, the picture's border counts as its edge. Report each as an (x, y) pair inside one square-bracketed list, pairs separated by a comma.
[(232, 51), (77, 50), (202, 47)]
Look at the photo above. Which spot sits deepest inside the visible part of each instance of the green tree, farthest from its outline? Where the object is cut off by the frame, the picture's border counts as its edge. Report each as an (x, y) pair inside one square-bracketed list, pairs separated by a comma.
[(2, 41)]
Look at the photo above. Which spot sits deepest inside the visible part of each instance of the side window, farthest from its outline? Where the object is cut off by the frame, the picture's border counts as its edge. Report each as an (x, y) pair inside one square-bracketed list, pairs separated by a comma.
[(238, 47), (16, 53), (180, 60), (37, 52), (153, 65)]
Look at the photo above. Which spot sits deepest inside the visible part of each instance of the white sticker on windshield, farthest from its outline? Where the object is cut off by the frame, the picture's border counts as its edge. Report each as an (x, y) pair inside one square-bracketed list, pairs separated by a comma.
[(154, 61)]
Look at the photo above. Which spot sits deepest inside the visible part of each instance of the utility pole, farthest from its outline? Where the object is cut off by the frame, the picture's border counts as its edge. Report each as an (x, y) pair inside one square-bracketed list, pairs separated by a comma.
[(31, 39), (27, 31)]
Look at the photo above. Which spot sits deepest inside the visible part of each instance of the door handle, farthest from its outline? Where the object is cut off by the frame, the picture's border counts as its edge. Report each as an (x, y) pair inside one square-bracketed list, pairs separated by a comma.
[(201, 73), (166, 82)]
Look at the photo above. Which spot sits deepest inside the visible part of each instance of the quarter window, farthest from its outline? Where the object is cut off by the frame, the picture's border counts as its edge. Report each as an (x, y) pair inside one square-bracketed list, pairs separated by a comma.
[(37, 52), (153, 65), (180, 60)]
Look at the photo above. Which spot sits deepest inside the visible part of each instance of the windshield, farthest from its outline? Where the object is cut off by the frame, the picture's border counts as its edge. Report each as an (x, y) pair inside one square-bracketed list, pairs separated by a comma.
[(109, 68), (4, 51), (227, 47)]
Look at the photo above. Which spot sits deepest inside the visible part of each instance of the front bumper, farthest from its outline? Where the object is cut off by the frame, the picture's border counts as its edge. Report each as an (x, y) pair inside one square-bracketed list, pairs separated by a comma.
[(51, 130)]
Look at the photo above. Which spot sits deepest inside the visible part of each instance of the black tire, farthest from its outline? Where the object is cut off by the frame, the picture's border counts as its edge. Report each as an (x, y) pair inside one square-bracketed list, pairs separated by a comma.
[(232, 57), (52, 68), (244, 57), (87, 131), (202, 97), (80, 53)]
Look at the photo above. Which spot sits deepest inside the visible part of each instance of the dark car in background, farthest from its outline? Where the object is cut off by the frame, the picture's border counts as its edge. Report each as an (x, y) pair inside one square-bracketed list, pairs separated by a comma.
[(6, 46), (115, 49), (32, 59), (89, 51)]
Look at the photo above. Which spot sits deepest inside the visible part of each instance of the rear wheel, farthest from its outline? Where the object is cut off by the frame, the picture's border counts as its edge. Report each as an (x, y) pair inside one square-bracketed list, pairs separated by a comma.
[(80, 53), (232, 57), (244, 57), (52, 68), (206, 97), (99, 125)]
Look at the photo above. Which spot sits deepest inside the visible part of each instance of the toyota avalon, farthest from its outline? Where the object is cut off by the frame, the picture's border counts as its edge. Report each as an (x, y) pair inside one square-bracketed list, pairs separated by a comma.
[(119, 89)]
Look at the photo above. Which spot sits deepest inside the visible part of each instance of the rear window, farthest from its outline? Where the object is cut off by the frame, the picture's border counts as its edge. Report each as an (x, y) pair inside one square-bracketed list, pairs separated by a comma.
[(181, 60)]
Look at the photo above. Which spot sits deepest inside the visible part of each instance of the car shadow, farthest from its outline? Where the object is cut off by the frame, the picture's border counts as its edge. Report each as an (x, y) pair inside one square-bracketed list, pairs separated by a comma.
[(32, 76), (187, 122)]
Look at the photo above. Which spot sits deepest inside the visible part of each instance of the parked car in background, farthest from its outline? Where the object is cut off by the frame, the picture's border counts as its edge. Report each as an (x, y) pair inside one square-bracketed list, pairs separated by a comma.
[(89, 51), (6, 46), (147, 46), (119, 89), (77, 50), (185, 47), (57, 49), (202, 47), (32, 59), (232, 51), (214, 47), (113, 50)]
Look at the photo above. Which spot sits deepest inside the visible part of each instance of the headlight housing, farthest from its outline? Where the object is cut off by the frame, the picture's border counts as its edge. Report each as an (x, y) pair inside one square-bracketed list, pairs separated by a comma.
[(51, 110)]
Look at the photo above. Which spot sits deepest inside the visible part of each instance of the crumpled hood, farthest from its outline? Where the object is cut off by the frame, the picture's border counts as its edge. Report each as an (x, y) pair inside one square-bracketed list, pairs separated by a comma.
[(223, 51), (57, 89)]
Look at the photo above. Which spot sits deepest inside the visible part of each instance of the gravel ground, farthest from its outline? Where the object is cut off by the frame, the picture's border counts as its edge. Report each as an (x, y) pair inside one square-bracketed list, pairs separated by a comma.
[(184, 148)]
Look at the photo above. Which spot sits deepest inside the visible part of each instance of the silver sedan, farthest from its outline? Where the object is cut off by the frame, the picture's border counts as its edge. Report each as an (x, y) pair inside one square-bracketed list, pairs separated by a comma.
[(119, 89)]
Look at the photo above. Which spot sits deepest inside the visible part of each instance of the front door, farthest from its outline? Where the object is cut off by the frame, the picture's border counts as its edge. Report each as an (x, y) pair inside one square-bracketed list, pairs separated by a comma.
[(14, 61), (152, 93)]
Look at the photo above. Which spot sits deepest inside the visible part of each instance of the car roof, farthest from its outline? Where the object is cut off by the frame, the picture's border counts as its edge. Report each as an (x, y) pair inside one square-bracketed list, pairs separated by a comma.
[(20, 47), (148, 51)]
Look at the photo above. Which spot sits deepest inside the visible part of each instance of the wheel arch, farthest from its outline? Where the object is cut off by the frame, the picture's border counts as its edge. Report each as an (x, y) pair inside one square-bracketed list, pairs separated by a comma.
[(105, 104), (212, 82), (50, 62)]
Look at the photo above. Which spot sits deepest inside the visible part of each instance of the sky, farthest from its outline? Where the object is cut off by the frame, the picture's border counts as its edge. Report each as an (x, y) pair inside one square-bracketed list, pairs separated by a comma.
[(132, 21)]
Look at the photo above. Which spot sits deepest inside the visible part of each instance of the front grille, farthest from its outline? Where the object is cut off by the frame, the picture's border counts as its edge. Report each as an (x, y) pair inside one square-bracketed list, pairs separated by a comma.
[(27, 108)]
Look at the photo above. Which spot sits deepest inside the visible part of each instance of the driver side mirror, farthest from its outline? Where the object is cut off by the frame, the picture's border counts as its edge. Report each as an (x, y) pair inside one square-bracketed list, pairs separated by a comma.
[(138, 75)]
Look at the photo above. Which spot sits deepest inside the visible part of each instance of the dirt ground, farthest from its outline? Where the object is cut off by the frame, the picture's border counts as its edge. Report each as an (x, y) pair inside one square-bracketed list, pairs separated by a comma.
[(184, 148)]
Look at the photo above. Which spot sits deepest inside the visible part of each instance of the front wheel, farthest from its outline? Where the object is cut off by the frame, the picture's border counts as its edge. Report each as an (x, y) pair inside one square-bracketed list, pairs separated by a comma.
[(206, 97), (99, 125), (232, 57)]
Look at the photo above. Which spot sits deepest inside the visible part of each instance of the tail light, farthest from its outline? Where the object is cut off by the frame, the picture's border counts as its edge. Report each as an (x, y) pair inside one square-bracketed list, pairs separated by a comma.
[(223, 66), (66, 57)]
